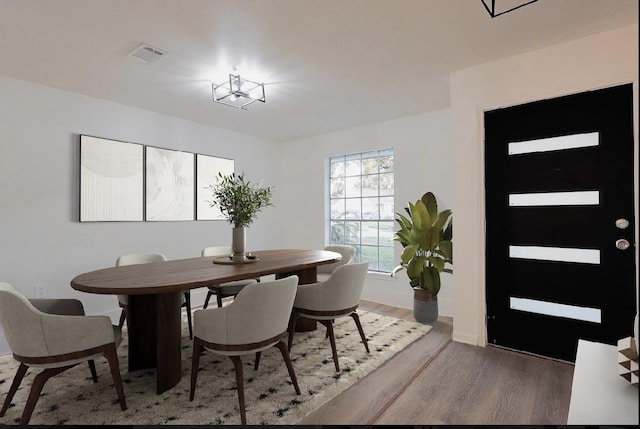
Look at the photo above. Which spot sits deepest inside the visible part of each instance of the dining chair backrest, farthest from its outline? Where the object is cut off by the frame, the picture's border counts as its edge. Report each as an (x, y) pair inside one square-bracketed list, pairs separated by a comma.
[(343, 288), (259, 312), (216, 251), (347, 253), (140, 258), (20, 321)]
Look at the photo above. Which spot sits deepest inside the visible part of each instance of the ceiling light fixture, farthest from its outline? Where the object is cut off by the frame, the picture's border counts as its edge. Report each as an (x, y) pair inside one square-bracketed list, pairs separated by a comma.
[(507, 5), (238, 92)]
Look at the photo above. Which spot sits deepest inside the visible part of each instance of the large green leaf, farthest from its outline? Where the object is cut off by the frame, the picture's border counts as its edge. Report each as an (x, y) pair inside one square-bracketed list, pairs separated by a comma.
[(408, 253), (437, 262), (429, 200), (431, 280), (415, 267), (447, 234), (446, 249), (442, 219), (415, 218), (420, 210), (403, 221)]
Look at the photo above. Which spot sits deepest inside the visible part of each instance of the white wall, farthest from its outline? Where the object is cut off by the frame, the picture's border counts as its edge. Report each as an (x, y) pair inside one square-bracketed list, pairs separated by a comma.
[(422, 152), (593, 62), (41, 241)]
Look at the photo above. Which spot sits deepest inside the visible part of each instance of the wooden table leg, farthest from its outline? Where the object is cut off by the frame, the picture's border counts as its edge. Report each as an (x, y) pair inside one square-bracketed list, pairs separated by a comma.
[(154, 327), (305, 276), (141, 328), (169, 346)]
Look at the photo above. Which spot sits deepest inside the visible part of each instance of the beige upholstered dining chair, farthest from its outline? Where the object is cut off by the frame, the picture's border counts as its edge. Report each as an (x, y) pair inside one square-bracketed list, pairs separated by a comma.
[(255, 321), (147, 258), (338, 296), (348, 256), (223, 290), (54, 341)]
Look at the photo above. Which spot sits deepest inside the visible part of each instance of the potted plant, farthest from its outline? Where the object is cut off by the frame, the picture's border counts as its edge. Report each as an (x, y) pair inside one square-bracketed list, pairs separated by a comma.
[(425, 236), (239, 200)]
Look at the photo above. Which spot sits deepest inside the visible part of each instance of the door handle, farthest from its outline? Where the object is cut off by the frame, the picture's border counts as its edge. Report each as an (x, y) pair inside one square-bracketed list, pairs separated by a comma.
[(622, 244)]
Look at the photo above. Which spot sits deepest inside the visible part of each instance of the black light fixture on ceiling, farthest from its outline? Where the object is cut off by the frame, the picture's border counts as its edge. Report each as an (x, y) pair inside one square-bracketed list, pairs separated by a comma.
[(238, 92), (506, 6)]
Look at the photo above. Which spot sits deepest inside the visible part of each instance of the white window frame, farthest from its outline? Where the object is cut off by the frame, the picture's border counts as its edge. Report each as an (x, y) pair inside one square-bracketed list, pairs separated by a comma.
[(366, 206)]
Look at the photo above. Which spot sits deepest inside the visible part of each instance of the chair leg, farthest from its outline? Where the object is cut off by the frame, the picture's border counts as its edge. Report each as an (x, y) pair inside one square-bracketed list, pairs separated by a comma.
[(257, 362), (206, 300), (356, 318), (219, 298), (332, 340), (195, 363), (237, 363), (17, 379), (92, 368), (112, 357), (123, 317), (287, 360), (36, 388), (187, 301), (292, 328)]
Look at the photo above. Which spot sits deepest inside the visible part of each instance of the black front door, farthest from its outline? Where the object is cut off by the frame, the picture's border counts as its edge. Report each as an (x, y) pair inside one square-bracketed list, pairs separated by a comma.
[(560, 249)]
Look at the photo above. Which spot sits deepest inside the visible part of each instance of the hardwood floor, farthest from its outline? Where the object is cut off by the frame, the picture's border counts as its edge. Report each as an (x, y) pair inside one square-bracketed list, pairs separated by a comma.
[(438, 381)]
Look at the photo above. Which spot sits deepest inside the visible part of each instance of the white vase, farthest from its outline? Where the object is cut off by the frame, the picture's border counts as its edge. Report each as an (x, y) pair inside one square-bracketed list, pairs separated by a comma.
[(238, 243)]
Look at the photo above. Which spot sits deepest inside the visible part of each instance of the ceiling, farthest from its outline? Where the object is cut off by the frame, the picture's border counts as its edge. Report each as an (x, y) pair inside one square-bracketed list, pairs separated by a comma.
[(328, 64)]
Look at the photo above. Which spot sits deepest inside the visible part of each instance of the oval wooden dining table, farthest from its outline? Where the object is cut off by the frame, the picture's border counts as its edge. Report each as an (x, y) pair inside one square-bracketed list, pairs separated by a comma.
[(154, 290)]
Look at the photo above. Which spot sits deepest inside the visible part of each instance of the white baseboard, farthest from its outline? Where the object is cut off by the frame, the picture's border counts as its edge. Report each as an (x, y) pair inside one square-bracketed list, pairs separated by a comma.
[(462, 337)]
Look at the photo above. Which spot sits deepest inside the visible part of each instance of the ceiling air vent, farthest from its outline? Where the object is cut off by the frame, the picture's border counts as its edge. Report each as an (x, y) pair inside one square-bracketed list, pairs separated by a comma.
[(147, 54)]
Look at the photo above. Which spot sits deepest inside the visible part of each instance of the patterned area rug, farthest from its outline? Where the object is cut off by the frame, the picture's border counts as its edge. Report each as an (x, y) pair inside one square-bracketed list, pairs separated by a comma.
[(71, 397)]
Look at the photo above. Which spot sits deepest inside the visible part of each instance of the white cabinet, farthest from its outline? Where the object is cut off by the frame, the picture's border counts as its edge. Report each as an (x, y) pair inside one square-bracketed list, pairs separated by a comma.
[(599, 396)]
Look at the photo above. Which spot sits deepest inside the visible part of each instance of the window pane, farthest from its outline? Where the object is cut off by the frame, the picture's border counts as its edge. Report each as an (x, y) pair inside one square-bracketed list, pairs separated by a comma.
[(386, 184), (370, 254), (353, 167), (352, 186), (370, 185), (370, 163), (352, 232), (337, 209), (353, 210), (576, 198), (386, 208), (586, 314), (337, 188), (370, 208), (386, 263), (357, 257), (337, 167), (337, 233), (369, 233), (555, 143), (386, 234), (386, 164), (561, 254)]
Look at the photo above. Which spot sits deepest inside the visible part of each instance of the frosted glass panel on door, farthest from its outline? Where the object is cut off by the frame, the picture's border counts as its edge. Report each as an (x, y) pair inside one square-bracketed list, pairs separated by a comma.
[(586, 314), (577, 198), (554, 143), (561, 254)]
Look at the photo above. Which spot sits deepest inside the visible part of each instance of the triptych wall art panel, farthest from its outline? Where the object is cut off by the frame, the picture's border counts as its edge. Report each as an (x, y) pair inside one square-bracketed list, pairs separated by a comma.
[(208, 168), (169, 184), (122, 181), (111, 180)]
